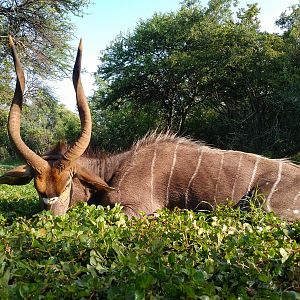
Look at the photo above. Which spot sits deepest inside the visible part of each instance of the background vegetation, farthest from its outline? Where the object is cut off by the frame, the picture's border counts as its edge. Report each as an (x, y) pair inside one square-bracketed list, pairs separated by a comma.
[(209, 72)]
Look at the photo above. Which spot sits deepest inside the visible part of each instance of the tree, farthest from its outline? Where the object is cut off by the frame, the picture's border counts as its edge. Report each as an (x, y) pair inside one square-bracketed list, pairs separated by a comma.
[(146, 66), (116, 128), (44, 122), (254, 94), (42, 30), (157, 63), (212, 73), (6, 92)]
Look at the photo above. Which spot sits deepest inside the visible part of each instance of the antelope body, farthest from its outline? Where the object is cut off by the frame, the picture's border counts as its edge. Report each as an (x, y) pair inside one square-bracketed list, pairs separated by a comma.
[(161, 170)]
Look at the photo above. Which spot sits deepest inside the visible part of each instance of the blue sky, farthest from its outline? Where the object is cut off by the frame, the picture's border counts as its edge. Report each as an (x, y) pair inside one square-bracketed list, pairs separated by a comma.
[(105, 19)]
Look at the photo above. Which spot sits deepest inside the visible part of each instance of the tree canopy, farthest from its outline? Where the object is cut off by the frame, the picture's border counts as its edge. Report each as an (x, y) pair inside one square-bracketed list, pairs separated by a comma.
[(212, 73), (42, 30)]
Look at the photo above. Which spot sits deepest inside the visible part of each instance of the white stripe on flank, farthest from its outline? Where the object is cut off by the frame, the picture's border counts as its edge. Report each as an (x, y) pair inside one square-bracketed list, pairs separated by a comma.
[(193, 176), (219, 175), (237, 175), (295, 199), (273, 190), (172, 170), (258, 158), (125, 174), (152, 176)]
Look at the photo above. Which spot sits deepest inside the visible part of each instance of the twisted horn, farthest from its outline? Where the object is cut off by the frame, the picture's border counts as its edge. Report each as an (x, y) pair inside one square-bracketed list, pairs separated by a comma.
[(14, 119), (85, 116)]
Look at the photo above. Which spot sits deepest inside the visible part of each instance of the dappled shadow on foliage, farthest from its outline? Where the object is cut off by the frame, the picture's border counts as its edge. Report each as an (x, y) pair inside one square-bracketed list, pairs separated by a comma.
[(18, 201), (15, 208), (94, 252)]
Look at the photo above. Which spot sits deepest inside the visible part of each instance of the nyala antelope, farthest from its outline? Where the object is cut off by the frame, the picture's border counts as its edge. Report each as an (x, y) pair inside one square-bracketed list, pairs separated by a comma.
[(159, 171)]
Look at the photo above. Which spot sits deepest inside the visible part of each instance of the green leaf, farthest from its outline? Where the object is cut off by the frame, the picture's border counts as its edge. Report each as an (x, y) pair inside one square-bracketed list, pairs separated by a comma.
[(172, 258), (284, 255), (290, 295), (264, 278)]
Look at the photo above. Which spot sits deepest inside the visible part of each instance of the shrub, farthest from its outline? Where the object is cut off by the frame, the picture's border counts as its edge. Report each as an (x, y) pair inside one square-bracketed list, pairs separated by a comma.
[(97, 253)]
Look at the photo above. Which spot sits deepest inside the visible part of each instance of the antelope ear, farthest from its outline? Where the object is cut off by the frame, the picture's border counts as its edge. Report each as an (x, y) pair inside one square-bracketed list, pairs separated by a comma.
[(17, 176), (91, 180)]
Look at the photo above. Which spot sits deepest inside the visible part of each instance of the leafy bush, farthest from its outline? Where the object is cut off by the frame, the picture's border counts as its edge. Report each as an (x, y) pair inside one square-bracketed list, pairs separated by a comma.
[(97, 253)]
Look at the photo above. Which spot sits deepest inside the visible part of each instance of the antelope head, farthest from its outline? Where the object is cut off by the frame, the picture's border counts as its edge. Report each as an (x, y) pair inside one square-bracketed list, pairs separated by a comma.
[(52, 177)]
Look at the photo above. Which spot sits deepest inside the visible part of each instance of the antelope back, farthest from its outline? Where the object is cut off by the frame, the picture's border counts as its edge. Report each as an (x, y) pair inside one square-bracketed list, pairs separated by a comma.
[(166, 171)]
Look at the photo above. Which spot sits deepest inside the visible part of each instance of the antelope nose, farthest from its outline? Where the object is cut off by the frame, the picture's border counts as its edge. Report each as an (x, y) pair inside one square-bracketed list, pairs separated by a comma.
[(50, 200)]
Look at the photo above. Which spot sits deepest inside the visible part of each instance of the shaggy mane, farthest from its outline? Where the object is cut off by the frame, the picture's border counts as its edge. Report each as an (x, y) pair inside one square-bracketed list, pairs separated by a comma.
[(95, 153), (151, 138), (167, 137)]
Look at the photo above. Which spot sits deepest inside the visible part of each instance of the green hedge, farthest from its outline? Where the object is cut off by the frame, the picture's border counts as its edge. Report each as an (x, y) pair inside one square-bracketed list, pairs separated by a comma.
[(97, 253)]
